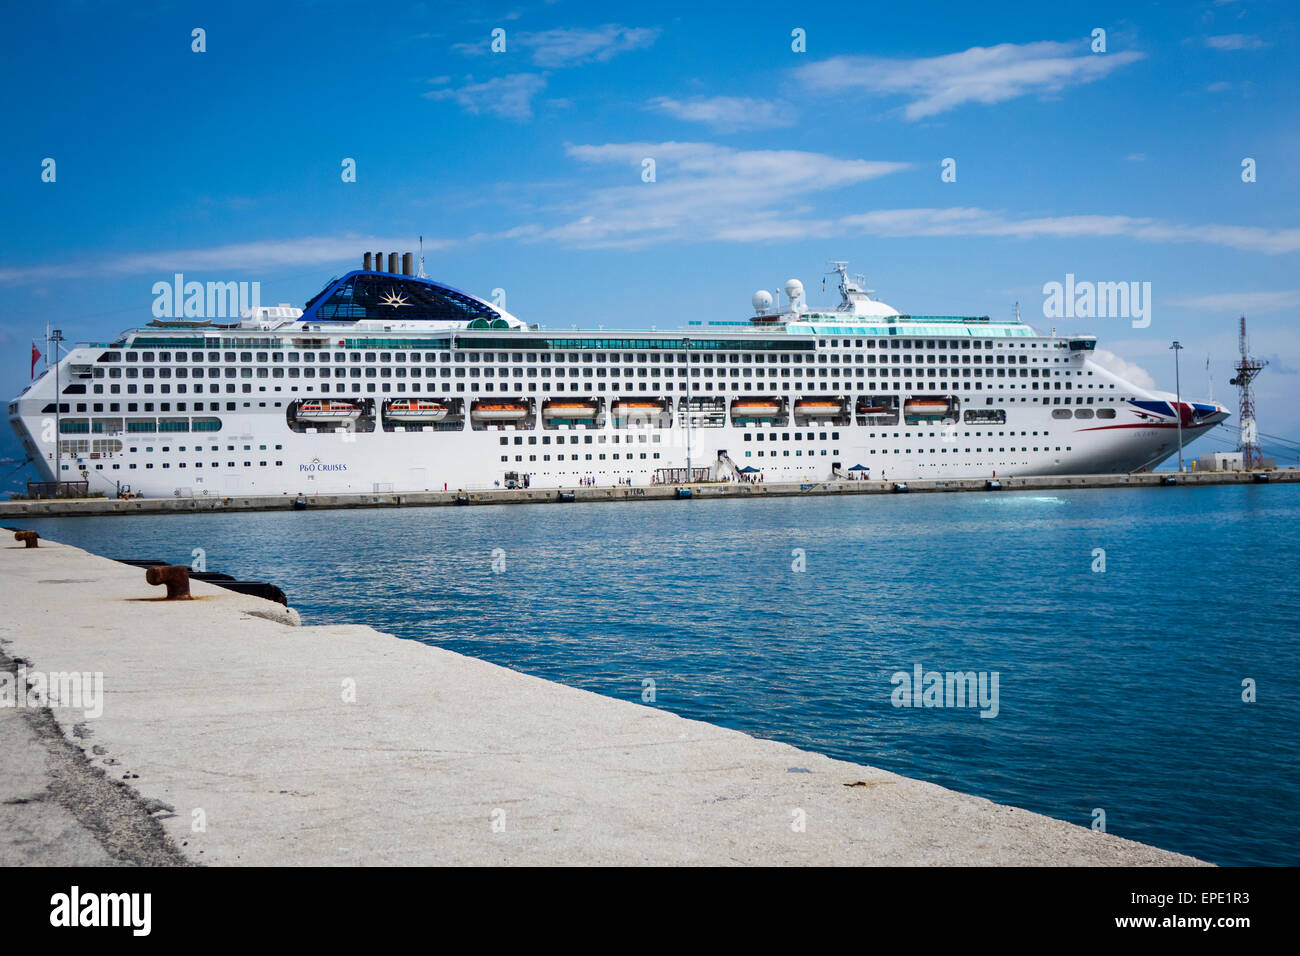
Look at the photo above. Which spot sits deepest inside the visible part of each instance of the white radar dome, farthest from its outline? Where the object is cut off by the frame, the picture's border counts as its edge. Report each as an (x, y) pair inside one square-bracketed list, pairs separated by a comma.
[(762, 300), (794, 290)]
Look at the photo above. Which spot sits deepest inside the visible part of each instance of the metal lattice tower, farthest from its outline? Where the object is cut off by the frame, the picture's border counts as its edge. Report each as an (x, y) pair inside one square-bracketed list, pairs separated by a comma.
[(1247, 368)]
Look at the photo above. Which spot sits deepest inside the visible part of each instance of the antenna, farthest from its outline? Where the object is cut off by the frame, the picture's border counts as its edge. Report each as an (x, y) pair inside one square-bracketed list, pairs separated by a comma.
[(839, 267), (422, 275), (1247, 369)]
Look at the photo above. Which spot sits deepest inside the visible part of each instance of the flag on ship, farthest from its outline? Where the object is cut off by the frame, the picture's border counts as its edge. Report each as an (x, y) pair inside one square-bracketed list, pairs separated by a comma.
[(36, 356)]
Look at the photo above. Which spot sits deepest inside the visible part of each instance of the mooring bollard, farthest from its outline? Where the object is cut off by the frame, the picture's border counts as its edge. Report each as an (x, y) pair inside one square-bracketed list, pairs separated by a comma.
[(175, 576), (29, 537)]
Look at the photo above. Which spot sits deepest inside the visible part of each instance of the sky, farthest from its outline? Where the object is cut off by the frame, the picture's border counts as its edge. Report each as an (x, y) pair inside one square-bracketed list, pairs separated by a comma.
[(1103, 141)]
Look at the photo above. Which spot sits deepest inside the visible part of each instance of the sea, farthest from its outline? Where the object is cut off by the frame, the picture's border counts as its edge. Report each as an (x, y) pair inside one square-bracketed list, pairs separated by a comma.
[(1121, 659)]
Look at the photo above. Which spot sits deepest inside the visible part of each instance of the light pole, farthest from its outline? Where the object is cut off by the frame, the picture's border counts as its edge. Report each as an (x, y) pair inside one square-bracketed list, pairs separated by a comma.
[(1178, 405), (686, 344), (55, 338)]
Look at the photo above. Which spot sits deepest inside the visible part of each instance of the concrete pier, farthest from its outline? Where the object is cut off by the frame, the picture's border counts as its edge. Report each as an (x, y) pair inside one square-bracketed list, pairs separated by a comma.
[(500, 496), (229, 735)]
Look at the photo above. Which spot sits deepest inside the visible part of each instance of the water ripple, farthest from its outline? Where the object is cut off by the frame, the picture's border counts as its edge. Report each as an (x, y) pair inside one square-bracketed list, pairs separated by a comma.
[(1118, 690)]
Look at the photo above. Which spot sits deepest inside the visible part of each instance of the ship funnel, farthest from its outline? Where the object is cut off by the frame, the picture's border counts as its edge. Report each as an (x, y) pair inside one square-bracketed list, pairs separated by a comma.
[(379, 262), (392, 262), (408, 263), (367, 261)]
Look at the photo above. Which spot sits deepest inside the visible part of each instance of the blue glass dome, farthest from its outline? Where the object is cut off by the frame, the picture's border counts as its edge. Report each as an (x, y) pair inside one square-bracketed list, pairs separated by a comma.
[(386, 296)]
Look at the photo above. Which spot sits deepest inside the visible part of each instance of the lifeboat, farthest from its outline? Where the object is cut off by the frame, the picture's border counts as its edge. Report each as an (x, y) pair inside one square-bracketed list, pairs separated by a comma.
[(328, 411), (638, 409), (818, 408), (415, 410), (925, 408), (570, 410), (755, 408), (499, 411), (873, 408)]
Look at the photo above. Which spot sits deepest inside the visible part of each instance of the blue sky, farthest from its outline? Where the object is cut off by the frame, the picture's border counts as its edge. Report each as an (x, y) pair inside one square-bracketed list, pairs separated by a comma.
[(522, 169)]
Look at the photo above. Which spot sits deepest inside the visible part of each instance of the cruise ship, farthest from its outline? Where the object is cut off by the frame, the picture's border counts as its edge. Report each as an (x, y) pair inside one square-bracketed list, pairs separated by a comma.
[(388, 381)]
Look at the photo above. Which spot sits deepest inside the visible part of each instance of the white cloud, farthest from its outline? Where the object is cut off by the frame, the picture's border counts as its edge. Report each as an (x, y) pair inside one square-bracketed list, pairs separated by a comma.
[(244, 257), (728, 113), (969, 221), (1235, 41), (510, 97), (1125, 370), (746, 200), (1237, 303), (709, 193), (979, 75), (702, 191), (1281, 365), (571, 46)]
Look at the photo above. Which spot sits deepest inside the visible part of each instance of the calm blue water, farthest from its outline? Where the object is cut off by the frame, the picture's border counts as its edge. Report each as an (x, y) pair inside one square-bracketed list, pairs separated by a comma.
[(1119, 690)]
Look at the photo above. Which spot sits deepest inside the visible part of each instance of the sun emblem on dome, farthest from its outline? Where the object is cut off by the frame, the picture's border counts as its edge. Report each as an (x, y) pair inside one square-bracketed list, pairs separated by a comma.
[(393, 299)]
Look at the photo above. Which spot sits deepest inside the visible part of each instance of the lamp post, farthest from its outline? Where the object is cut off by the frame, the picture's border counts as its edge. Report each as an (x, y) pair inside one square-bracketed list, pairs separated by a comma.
[(686, 344), (1178, 405), (55, 338)]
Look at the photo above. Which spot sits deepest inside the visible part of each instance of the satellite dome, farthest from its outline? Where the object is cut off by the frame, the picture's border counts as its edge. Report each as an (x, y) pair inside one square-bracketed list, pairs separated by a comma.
[(794, 290), (762, 300)]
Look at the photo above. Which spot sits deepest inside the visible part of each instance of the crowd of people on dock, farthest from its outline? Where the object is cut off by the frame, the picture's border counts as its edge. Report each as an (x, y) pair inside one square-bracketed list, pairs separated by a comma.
[(589, 481)]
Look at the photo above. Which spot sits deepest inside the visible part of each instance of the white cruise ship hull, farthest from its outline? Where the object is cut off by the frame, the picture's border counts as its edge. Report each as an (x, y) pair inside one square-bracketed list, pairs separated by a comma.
[(213, 412)]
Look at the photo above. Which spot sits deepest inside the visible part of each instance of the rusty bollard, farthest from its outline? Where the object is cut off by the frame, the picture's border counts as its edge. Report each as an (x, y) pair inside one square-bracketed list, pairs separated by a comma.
[(175, 576), (30, 537)]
